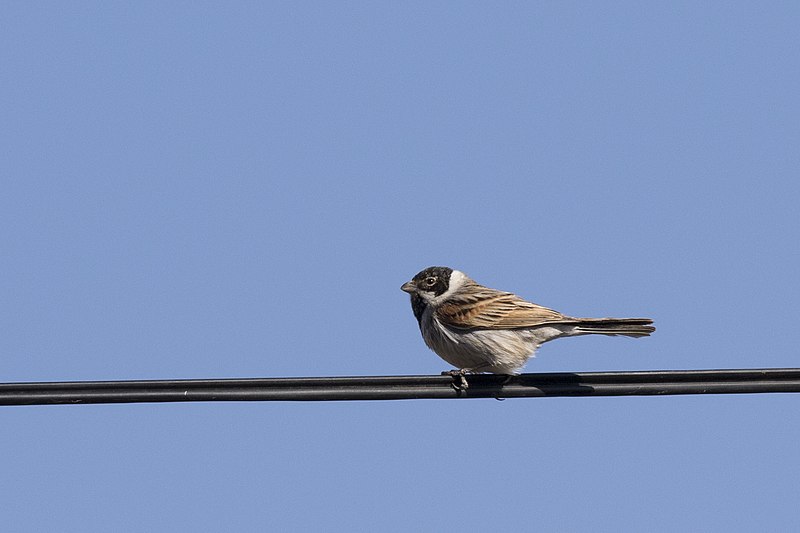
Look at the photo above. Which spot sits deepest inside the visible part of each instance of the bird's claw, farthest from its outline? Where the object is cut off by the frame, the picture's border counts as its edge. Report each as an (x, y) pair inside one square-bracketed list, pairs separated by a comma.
[(460, 383)]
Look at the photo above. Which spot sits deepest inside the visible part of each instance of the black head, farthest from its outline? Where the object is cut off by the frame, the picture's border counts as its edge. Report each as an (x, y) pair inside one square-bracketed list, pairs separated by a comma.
[(435, 280), (428, 284)]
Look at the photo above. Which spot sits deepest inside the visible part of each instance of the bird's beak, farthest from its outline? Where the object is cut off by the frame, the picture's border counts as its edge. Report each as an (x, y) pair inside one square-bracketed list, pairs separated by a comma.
[(410, 287)]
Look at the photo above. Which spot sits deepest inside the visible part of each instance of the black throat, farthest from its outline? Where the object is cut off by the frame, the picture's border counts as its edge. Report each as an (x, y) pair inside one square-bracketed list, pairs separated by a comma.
[(418, 305)]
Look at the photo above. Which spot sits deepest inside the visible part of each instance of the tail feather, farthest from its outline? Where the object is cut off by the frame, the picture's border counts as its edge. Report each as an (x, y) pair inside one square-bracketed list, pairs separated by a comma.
[(629, 327)]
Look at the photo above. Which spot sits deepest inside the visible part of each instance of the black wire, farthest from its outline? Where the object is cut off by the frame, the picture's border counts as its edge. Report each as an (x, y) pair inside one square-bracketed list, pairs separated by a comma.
[(406, 387)]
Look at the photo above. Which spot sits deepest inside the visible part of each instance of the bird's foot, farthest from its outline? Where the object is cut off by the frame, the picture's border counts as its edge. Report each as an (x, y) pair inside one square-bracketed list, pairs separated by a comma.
[(460, 383)]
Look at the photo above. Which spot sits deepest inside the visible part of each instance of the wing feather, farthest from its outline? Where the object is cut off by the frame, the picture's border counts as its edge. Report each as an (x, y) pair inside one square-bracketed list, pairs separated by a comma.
[(485, 308)]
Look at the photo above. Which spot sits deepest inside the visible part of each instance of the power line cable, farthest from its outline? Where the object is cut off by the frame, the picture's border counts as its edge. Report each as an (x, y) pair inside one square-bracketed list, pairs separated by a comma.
[(636, 383)]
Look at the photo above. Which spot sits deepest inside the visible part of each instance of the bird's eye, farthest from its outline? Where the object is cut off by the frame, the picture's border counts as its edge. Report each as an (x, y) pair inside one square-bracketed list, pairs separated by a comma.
[(430, 282)]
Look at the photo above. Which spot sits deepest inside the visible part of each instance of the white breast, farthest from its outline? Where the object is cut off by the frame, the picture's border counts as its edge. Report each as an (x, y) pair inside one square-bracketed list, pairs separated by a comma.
[(499, 351)]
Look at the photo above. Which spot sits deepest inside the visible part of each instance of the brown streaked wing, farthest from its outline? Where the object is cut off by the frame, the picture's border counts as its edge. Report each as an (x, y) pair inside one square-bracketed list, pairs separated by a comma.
[(492, 309)]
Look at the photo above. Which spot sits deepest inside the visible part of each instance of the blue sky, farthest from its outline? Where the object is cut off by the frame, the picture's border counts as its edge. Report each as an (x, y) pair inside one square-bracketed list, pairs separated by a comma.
[(196, 190)]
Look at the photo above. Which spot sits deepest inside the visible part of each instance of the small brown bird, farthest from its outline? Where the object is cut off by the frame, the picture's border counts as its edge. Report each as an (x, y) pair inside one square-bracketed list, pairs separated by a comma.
[(478, 329)]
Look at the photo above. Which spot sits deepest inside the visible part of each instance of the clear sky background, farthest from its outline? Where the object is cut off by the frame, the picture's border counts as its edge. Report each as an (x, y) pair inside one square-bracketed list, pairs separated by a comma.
[(238, 189)]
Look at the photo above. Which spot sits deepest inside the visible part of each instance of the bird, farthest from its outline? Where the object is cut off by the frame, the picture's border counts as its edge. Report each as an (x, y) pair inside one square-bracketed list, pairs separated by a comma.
[(477, 329)]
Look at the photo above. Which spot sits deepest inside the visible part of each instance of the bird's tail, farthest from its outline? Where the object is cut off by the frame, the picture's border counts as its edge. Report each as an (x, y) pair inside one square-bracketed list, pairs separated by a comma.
[(629, 327)]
